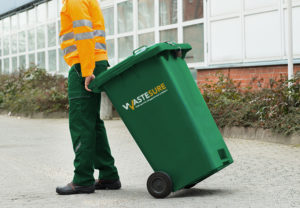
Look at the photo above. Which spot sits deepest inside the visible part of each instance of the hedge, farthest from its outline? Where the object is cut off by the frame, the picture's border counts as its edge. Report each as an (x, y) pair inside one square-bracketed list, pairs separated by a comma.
[(277, 108)]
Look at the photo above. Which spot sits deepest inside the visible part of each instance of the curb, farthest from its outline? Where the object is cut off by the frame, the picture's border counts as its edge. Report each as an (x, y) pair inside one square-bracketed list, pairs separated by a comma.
[(259, 134)]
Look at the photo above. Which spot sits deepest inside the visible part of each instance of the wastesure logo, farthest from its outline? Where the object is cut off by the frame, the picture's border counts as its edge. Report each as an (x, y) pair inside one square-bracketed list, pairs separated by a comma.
[(146, 97)]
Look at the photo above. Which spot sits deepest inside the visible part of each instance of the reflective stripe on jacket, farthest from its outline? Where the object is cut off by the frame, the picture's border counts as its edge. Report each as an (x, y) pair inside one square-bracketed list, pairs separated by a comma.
[(82, 35)]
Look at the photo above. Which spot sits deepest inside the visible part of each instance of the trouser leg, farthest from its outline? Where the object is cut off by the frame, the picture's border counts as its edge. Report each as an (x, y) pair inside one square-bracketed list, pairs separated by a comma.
[(103, 160), (82, 118)]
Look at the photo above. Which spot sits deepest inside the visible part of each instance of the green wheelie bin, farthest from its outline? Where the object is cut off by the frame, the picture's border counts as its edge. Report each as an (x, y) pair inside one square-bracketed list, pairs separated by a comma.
[(158, 100)]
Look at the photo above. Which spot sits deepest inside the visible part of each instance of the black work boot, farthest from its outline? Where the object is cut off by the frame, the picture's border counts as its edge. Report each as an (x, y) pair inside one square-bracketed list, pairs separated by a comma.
[(107, 184), (72, 188)]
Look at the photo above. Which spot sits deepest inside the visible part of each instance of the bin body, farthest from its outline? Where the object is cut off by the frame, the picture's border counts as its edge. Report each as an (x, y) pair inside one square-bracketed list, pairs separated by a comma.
[(163, 109)]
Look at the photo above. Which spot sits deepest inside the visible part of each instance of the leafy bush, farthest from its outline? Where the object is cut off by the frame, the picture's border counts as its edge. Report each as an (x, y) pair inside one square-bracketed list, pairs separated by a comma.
[(33, 90), (276, 108)]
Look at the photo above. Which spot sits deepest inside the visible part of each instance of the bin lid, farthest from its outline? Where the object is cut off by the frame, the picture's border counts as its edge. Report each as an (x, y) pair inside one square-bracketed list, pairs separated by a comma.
[(139, 55)]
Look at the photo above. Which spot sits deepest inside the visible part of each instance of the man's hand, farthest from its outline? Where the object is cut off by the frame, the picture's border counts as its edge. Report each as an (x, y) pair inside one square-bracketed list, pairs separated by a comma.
[(88, 80)]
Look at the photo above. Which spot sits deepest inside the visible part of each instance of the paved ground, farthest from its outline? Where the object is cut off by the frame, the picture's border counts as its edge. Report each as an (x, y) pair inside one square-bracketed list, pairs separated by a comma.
[(36, 156)]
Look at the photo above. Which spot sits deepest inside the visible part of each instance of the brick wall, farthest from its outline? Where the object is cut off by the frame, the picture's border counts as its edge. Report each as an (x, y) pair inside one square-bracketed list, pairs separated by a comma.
[(245, 75)]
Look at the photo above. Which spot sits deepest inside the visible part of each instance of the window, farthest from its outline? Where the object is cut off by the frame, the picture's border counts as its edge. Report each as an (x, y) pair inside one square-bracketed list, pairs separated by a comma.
[(168, 35), (40, 37), (22, 62), (51, 34), (63, 66), (41, 60), (31, 40), (22, 42), (167, 12), (14, 64), (110, 49), (145, 14), (146, 39), (31, 60), (0, 47), (52, 9), (52, 60), (125, 17), (14, 43), (6, 25), (23, 20), (41, 13), (31, 17), (14, 22), (192, 9), (6, 46), (6, 65), (125, 47), (1, 66), (108, 15), (195, 36)]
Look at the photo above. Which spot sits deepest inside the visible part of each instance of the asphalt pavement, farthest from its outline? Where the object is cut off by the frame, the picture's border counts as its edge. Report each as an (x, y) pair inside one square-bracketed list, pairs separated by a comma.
[(36, 156)]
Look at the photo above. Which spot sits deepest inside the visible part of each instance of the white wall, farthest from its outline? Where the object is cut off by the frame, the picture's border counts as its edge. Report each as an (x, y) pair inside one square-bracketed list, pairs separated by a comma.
[(249, 30)]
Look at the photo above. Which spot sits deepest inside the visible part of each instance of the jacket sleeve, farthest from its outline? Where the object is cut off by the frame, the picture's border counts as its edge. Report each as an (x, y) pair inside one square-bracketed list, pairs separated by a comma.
[(79, 11)]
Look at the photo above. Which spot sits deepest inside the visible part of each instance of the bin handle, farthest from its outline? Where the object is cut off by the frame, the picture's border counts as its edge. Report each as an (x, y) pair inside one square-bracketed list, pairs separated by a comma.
[(139, 50)]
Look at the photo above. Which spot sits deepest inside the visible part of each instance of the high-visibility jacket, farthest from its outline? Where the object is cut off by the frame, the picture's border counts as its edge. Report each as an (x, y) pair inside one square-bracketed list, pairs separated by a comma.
[(82, 34)]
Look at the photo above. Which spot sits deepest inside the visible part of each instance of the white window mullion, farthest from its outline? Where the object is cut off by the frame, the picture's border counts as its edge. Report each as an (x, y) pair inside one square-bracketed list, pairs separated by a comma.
[(205, 32), (179, 20), (135, 24), (156, 21), (243, 38), (116, 32)]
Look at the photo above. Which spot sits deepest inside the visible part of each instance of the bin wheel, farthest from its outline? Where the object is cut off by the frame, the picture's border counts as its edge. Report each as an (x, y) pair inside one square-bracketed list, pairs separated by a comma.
[(190, 186), (159, 184)]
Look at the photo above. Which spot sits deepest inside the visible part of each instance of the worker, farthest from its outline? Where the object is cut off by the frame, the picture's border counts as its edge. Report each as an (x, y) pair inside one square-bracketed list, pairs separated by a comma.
[(82, 38)]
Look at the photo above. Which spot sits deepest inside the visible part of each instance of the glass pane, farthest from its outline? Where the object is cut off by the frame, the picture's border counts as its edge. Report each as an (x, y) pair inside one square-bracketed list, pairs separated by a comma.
[(40, 37), (31, 17), (1, 27), (52, 7), (125, 17), (194, 35), (23, 20), (14, 39), (6, 45), (58, 26), (31, 60), (51, 34), (167, 12), (31, 40), (52, 60), (192, 9), (22, 62), (1, 67), (168, 35), (146, 39), (108, 15), (6, 25), (6, 65), (41, 13), (125, 45), (14, 22), (63, 66), (0, 47), (146, 13), (22, 42), (110, 49), (14, 64), (41, 60)]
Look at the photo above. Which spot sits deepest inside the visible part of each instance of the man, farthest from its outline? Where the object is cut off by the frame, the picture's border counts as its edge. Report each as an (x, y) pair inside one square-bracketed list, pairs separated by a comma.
[(82, 39)]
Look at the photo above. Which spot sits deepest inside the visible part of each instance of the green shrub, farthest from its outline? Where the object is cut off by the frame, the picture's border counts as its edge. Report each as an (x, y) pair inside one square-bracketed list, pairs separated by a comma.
[(33, 90), (276, 108)]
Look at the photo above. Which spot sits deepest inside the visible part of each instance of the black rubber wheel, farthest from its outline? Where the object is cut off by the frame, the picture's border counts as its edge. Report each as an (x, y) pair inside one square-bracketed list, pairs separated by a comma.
[(190, 186), (159, 184)]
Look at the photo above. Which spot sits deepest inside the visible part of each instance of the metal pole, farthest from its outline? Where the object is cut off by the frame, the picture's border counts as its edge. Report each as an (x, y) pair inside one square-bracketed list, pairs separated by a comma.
[(290, 39)]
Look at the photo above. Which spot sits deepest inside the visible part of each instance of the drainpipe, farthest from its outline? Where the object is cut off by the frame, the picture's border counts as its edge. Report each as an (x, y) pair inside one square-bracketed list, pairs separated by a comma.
[(290, 40)]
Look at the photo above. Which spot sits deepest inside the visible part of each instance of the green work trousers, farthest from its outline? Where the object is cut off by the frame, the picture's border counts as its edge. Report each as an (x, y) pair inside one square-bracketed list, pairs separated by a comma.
[(87, 130)]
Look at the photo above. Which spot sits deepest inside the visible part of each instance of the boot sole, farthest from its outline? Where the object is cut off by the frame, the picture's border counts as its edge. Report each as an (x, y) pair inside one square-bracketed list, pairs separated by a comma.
[(81, 191)]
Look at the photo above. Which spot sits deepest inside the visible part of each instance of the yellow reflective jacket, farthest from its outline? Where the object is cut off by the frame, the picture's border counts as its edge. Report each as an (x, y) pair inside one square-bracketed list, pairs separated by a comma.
[(82, 35)]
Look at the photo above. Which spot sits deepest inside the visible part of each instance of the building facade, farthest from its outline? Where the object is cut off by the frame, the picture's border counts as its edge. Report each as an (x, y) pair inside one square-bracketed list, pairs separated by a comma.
[(231, 34)]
